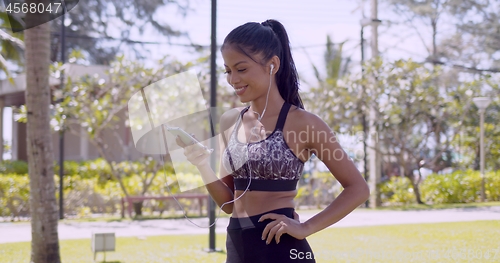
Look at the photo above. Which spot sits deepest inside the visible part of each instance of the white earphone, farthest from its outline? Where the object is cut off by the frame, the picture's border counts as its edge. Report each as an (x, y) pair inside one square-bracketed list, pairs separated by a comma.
[(271, 71)]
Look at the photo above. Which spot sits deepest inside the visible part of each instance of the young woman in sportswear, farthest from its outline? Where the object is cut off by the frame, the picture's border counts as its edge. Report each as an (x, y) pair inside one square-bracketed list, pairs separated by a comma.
[(265, 146)]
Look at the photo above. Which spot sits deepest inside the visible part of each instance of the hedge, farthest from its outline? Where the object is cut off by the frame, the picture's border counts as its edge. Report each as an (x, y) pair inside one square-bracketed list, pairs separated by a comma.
[(456, 187)]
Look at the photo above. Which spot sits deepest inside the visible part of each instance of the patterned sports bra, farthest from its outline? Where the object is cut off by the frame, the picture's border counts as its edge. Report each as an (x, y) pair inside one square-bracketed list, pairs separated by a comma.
[(270, 162)]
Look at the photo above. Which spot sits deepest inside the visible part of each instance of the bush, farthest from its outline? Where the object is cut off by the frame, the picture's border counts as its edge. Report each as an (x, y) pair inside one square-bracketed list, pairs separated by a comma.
[(460, 187), (492, 186), (70, 167), (457, 187), (89, 187), (397, 191), (13, 167), (89, 169), (14, 195), (317, 189)]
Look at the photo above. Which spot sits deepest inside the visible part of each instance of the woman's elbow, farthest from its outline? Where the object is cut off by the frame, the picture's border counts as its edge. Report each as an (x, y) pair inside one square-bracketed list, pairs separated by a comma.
[(364, 191), (228, 209)]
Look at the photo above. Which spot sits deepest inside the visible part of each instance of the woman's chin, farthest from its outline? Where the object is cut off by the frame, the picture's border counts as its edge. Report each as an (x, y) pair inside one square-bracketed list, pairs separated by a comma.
[(243, 99)]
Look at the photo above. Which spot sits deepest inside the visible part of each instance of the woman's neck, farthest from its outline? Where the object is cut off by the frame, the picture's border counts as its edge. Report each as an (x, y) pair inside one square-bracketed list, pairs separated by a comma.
[(274, 103)]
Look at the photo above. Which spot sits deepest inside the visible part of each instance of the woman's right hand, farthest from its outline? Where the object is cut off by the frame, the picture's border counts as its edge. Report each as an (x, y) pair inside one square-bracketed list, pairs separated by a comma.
[(194, 154)]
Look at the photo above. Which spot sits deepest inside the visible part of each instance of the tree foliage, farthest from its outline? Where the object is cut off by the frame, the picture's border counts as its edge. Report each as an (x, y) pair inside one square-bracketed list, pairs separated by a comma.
[(321, 98), (464, 34), (465, 38), (101, 28), (422, 112), (97, 104), (11, 45)]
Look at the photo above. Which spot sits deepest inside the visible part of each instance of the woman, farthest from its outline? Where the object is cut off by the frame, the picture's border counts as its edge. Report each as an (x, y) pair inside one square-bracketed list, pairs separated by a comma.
[(265, 147)]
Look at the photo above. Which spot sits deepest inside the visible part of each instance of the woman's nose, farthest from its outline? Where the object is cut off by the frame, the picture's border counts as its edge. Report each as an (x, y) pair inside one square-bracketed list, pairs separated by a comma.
[(233, 79)]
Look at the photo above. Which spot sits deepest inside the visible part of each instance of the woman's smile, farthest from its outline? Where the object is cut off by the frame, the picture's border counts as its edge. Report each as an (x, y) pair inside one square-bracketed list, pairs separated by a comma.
[(240, 90)]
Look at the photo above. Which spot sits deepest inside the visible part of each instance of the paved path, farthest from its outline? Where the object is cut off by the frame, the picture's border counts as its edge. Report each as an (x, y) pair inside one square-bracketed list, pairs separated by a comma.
[(18, 232)]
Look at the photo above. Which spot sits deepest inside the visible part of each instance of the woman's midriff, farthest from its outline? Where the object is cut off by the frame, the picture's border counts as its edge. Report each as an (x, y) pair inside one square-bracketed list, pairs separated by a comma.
[(258, 202)]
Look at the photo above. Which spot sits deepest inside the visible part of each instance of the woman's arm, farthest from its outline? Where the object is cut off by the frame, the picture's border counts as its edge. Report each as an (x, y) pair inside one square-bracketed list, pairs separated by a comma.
[(356, 191), (322, 141), (221, 189), (218, 189)]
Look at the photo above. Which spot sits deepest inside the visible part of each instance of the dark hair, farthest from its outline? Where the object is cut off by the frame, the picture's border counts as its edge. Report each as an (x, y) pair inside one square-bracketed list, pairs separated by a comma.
[(269, 38)]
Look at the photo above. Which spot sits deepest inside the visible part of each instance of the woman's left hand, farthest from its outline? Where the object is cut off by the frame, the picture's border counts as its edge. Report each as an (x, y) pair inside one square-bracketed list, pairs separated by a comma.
[(282, 225)]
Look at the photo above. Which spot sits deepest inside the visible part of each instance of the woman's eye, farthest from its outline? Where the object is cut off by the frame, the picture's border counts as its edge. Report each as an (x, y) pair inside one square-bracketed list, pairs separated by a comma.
[(239, 70)]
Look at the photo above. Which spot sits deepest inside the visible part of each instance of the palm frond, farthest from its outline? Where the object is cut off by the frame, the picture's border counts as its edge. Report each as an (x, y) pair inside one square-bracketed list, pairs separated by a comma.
[(10, 21), (7, 37)]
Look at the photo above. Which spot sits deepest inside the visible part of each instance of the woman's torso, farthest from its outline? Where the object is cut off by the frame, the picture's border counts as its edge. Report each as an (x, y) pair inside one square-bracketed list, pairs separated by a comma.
[(282, 139)]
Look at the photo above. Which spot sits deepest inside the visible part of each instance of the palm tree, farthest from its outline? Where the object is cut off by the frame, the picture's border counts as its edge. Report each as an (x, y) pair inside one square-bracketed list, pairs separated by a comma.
[(43, 204), (327, 93), (11, 44)]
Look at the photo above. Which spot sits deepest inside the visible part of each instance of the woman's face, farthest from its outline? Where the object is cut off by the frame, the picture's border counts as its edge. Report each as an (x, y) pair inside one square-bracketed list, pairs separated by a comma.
[(249, 79)]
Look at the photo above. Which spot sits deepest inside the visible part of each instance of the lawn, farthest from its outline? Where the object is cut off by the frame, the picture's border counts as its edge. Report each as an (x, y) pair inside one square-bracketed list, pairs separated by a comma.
[(438, 206), (476, 241)]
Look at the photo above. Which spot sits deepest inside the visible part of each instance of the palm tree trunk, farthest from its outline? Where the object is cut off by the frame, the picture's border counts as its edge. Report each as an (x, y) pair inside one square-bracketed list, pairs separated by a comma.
[(43, 204)]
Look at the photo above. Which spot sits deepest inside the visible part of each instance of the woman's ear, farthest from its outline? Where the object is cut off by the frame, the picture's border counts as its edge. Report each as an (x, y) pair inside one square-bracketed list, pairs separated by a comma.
[(275, 61)]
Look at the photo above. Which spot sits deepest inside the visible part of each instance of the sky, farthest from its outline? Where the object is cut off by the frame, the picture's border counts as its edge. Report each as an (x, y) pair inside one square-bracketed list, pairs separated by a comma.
[(307, 22)]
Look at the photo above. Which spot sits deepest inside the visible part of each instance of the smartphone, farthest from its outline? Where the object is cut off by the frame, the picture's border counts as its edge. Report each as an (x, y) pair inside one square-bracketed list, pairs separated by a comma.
[(187, 138)]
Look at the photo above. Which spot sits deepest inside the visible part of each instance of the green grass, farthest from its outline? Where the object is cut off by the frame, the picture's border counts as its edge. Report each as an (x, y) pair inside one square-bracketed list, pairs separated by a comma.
[(442, 242), (439, 206), (186, 248)]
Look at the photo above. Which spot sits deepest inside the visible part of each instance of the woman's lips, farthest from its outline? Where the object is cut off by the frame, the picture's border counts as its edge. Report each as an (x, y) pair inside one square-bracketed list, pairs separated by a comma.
[(240, 91)]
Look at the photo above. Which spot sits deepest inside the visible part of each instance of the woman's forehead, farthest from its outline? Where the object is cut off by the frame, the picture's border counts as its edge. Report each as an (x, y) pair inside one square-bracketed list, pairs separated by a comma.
[(232, 56)]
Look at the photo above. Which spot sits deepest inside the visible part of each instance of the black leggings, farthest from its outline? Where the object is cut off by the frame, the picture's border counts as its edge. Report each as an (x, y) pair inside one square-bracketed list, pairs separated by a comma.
[(244, 242)]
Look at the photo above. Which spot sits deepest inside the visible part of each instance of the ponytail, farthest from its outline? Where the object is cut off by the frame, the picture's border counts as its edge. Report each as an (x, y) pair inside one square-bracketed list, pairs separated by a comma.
[(270, 39)]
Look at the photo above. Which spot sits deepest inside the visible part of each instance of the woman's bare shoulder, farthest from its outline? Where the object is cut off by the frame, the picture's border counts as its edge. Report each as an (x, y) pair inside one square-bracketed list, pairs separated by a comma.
[(303, 118), (229, 117)]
